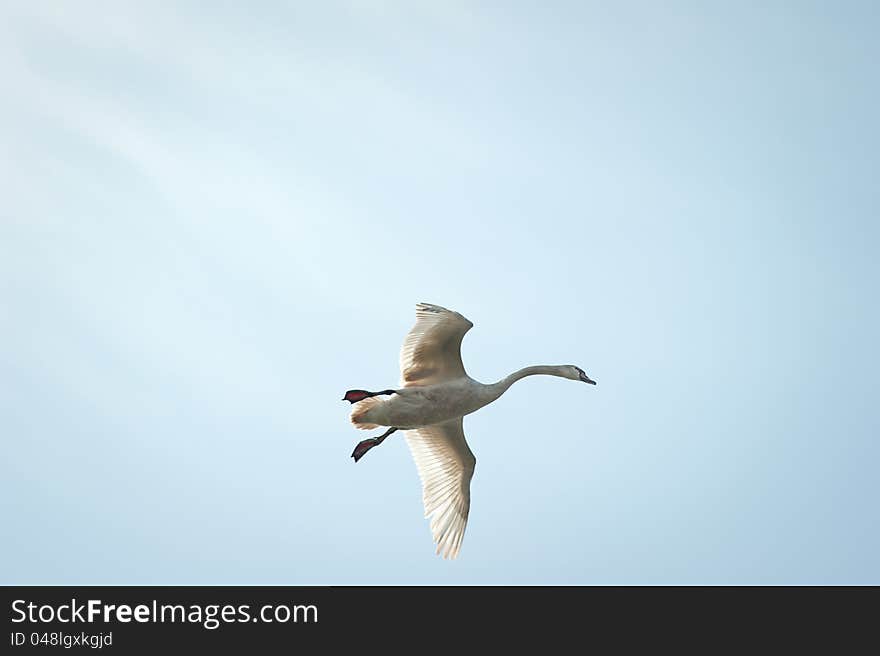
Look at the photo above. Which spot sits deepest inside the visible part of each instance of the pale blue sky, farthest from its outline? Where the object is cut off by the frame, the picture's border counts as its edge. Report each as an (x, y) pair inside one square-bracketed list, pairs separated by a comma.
[(214, 222)]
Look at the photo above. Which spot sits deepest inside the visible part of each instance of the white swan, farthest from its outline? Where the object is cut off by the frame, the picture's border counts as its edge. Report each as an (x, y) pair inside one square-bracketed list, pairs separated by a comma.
[(436, 393)]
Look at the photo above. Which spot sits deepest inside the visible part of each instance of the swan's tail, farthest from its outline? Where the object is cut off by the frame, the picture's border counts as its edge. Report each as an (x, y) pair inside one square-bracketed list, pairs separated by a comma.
[(362, 412)]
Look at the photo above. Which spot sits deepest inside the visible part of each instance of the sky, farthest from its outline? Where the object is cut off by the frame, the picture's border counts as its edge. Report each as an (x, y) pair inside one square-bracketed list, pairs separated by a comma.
[(214, 221)]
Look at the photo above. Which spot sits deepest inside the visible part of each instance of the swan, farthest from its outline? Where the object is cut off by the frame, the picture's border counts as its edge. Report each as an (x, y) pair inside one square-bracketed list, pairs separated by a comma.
[(435, 394)]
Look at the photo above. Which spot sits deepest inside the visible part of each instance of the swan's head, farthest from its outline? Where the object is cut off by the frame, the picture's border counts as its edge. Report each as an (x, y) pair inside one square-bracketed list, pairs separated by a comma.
[(576, 373)]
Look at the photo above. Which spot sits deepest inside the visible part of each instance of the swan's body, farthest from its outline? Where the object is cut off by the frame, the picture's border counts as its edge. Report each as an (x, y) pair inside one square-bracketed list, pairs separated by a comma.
[(436, 393), (414, 407)]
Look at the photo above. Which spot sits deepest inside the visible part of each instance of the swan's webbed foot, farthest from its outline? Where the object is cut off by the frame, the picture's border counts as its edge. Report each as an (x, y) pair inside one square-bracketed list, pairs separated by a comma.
[(366, 445), (353, 396)]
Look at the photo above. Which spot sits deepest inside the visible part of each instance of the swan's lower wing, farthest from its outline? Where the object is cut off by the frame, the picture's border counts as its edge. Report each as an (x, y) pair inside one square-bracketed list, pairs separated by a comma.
[(445, 465)]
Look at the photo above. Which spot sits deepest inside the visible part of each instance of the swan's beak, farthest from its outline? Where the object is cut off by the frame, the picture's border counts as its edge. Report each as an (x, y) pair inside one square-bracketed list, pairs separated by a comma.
[(587, 379)]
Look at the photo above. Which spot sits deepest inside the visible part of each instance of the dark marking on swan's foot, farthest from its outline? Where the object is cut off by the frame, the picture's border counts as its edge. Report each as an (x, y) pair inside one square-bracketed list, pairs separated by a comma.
[(353, 396), (362, 447)]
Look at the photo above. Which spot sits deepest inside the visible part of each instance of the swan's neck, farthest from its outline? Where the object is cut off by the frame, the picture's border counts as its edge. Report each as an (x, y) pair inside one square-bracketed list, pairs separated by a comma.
[(499, 388)]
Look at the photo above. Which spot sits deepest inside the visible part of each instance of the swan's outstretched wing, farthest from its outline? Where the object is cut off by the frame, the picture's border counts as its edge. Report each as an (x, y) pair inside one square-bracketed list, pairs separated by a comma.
[(431, 352), (446, 466)]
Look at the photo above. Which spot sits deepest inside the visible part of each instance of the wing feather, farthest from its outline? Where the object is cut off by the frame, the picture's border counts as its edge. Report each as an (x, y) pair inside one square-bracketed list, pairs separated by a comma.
[(446, 466), (431, 352)]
